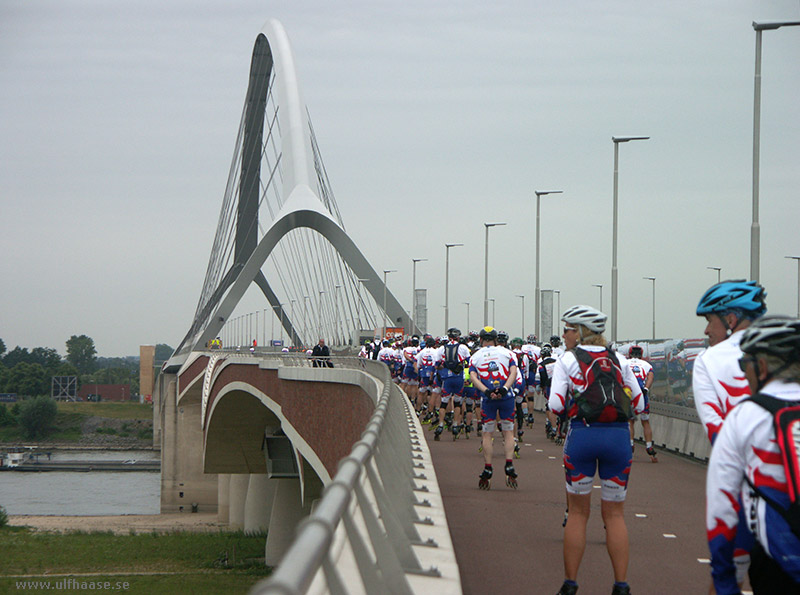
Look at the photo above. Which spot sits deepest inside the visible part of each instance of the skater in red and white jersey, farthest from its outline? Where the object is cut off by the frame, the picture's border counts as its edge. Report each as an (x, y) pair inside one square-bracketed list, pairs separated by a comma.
[(747, 466), (643, 372), (717, 381)]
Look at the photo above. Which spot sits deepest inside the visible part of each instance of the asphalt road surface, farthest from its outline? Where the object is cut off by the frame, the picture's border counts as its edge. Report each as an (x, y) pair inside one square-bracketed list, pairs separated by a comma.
[(510, 541)]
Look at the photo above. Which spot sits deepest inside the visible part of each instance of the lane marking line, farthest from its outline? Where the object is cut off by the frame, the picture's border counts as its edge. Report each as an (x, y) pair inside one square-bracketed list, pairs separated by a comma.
[(670, 536)]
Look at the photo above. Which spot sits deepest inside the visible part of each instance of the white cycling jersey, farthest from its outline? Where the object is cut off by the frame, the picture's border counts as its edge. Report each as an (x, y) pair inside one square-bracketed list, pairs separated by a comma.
[(532, 351), (427, 357), (410, 355), (746, 447), (718, 384), (568, 378), (640, 369), (462, 353)]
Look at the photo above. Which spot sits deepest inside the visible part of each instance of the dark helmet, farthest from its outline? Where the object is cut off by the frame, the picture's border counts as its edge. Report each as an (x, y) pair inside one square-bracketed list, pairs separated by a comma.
[(517, 341), (546, 352), (502, 338), (635, 351), (555, 340), (488, 334), (531, 338), (453, 333), (735, 295), (415, 341), (386, 343), (774, 335)]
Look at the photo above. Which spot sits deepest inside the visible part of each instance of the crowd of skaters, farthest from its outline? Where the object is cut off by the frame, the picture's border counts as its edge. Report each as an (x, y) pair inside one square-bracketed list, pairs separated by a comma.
[(593, 395)]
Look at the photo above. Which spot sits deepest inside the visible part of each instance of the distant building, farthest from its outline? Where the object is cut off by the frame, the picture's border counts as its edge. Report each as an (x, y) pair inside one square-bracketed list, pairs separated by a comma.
[(147, 354), (105, 392)]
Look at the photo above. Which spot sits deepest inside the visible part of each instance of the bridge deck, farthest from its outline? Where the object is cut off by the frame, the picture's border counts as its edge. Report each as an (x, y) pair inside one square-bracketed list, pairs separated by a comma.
[(510, 541)]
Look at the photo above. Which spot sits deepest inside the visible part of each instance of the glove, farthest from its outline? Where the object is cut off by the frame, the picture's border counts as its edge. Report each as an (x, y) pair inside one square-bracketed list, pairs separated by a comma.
[(499, 392)]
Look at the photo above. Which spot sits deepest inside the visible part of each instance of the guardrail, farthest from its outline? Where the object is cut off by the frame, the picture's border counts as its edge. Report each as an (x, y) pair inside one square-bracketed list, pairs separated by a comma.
[(364, 534)]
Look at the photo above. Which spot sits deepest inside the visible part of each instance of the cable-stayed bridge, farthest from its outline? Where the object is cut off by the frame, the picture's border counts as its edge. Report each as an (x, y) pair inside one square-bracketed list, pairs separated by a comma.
[(332, 462), (280, 227)]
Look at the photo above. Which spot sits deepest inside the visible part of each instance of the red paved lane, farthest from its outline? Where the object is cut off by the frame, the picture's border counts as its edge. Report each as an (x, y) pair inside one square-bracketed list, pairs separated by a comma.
[(510, 541)]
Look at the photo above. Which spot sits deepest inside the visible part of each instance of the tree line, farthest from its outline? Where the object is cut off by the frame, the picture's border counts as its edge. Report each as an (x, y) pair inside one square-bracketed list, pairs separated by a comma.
[(29, 373)]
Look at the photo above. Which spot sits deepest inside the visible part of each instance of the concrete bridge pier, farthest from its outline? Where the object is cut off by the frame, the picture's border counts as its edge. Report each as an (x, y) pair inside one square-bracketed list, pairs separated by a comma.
[(236, 500), (287, 511), (259, 502), (223, 497)]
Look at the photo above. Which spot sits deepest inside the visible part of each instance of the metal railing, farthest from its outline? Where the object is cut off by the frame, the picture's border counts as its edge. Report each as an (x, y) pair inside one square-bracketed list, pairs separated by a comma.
[(368, 513)]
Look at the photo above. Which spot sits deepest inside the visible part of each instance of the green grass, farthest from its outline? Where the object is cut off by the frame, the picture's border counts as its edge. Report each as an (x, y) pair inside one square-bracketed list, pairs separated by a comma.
[(178, 562), (124, 410)]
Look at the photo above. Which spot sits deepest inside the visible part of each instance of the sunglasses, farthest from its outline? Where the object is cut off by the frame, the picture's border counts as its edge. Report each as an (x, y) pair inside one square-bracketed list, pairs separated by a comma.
[(744, 360), (569, 328)]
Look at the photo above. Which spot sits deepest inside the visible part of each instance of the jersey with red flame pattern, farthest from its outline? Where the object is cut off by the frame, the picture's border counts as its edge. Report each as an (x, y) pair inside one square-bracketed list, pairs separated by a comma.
[(746, 446), (718, 384)]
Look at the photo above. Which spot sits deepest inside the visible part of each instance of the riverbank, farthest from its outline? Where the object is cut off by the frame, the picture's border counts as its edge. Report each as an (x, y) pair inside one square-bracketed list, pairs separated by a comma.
[(128, 524)]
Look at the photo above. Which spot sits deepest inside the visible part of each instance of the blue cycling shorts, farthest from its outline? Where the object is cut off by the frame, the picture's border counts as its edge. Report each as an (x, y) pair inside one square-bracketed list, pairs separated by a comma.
[(603, 447)]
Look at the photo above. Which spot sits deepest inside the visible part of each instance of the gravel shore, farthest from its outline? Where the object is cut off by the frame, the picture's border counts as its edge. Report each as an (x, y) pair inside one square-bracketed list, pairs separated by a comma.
[(123, 524)]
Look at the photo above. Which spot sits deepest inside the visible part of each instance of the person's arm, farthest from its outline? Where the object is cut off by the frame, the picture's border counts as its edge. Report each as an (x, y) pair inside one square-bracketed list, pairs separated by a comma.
[(705, 399), (559, 387), (723, 485), (648, 382)]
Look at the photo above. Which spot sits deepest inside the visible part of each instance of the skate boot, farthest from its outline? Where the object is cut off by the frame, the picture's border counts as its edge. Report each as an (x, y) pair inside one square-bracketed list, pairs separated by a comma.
[(467, 430), (438, 432), (559, 438), (519, 434), (566, 516), (651, 452), (621, 589), (530, 420), (480, 431), (485, 479), (456, 431), (568, 589), (516, 450), (511, 476)]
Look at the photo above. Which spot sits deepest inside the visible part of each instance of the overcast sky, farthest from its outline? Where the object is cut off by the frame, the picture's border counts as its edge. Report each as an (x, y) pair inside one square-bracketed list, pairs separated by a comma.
[(118, 122)]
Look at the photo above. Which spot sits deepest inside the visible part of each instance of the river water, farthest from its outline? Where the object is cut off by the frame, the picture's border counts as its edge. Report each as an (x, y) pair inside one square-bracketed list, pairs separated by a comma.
[(75, 493)]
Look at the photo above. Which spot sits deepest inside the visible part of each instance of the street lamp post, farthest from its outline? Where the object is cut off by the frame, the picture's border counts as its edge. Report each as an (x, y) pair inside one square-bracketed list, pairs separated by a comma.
[(305, 318), (522, 334), (797, 258), (358, 307), (558, 307), (383, 335), (493, 310), (718, 269), (319, 313), (486, 274), (294, 322), (467, 304), (653, 279), (337, 320), (617, 140), (536, 313), (414, 325), (600, 285), (447, 284), (755, 230)]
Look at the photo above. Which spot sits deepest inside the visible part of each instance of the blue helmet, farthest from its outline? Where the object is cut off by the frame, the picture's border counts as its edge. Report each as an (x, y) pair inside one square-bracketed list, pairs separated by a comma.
[(745, 296)]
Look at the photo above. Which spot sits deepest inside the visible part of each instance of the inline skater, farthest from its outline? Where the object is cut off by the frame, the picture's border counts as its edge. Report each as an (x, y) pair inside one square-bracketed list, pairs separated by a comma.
[(533, 351), (450, 363), (545, 376), (520, 387), (410, 378), (493, 370), (643, 372), (718, 384), (748, 460), (588, 383), (558, 349), (425, 367)]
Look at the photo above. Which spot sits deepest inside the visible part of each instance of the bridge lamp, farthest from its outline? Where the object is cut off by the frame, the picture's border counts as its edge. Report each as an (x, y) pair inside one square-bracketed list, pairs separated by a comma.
[(755, 230), (537, 315), (617, 140), (447, 284), (414, 292), (797, 258), (653, 279), (384, 300), (486, 274), (718, 269)]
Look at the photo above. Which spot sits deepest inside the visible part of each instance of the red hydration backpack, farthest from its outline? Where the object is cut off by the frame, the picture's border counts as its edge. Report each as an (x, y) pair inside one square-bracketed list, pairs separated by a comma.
[(786, 421), (604, 399)]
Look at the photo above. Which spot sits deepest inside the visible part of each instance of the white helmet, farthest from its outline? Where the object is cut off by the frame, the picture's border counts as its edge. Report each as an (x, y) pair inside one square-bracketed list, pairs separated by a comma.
[(589, 317)]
